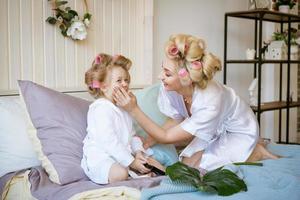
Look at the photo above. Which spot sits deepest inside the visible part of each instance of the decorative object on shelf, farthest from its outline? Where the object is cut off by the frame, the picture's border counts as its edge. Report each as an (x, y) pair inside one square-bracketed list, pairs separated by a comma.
[(284, 6), (250, 54), (277, 50), (68, 20), (253, 93), (262, 4), (280, 38)]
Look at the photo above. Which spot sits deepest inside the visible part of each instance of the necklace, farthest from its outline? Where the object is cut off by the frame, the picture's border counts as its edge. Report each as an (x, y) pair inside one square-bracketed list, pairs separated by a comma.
[(187, 100)]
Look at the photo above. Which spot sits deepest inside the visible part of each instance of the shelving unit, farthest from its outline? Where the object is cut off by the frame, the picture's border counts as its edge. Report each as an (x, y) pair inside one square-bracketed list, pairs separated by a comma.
[(259, 16)]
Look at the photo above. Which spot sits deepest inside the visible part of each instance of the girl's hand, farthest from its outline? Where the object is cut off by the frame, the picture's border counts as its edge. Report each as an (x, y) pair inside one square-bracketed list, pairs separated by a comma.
[(138, 165), (125, 100), (140, 155)]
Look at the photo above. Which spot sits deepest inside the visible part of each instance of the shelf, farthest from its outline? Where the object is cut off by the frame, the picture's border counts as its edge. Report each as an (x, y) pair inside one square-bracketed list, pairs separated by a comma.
[(267, 15), (263, 61), (275, 105)]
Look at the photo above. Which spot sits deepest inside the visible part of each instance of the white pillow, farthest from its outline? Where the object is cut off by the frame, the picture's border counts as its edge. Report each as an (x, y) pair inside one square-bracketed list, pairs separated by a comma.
[(16, 150)]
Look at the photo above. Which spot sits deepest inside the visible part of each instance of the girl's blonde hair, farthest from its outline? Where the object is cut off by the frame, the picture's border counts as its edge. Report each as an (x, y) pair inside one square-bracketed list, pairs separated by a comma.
[(189, 52), (101, 65)]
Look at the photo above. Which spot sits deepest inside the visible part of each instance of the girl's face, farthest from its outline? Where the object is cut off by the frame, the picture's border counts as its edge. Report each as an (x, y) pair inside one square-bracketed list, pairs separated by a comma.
[(169, 75), (117, 76)]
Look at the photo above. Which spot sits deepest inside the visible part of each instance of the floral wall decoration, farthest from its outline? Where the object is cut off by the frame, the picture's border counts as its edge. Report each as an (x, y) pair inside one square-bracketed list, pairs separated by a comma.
[(68, 20)]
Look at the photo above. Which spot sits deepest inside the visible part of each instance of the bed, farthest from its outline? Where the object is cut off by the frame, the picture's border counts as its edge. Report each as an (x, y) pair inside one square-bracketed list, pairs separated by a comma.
[(41, 148)]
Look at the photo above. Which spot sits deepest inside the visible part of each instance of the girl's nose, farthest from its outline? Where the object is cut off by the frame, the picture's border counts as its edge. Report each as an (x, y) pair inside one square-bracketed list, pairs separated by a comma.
[(124, 83)]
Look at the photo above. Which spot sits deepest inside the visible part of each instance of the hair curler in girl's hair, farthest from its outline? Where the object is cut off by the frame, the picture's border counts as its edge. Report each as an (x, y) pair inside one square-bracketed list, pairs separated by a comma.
[(95, 84), (97, 60)]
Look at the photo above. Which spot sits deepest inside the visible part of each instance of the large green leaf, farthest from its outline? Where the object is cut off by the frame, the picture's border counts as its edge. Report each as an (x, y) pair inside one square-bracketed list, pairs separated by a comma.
[(183, 173), (221, 181), (224, 181)]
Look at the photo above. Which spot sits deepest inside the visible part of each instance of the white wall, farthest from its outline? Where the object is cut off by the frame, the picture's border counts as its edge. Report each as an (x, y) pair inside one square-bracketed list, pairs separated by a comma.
[(34, 50), (206, 19)]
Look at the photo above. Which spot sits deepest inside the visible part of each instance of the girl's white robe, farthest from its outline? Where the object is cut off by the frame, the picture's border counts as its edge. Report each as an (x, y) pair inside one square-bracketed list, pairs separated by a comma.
[(109, 140)]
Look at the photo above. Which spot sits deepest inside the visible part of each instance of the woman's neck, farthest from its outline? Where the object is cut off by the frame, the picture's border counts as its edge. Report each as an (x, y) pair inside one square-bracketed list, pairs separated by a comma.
[(187, 93)]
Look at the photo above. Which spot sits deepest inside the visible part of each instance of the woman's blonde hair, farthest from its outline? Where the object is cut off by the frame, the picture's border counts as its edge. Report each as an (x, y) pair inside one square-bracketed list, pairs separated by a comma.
[(97, 73), (189, 52)]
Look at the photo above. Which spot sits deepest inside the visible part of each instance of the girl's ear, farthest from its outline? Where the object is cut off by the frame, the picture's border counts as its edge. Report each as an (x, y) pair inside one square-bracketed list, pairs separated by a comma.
[(103, 87)]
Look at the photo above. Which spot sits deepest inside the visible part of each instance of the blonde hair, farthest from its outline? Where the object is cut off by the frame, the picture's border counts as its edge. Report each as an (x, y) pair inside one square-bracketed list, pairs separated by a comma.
[(189, 52), (101, 65)]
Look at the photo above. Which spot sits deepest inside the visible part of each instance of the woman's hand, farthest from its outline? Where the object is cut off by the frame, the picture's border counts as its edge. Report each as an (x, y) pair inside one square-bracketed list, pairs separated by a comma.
[(148, 142), (125, 100)]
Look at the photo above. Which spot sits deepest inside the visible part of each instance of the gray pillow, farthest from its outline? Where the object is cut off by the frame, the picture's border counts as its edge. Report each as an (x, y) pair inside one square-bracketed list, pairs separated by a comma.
[(60, 122)]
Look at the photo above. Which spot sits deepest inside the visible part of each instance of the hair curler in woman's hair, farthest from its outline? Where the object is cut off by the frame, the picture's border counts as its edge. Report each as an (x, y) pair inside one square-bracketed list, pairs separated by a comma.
[(195, 69), (184, 77), (211, 64)]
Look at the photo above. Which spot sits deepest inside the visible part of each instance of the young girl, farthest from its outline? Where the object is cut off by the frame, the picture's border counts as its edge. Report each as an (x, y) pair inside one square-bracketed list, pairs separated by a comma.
[(220, 127), (110, 147)]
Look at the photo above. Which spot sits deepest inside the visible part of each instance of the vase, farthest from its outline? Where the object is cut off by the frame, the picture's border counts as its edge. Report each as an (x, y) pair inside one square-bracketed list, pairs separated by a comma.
[(284, 8)]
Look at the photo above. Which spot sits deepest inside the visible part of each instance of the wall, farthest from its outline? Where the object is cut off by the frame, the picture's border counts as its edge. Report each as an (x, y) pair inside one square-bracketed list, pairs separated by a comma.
[(35, 50), (206, 20)]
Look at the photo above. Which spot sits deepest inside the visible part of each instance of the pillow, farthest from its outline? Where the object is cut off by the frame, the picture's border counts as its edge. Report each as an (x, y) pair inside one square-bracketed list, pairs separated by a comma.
[(147, 99), (16, 150), (60, 122)]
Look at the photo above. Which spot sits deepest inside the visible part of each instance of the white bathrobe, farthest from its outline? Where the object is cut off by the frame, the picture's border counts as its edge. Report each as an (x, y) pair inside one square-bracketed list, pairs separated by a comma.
[(224, 126), (109, 140)]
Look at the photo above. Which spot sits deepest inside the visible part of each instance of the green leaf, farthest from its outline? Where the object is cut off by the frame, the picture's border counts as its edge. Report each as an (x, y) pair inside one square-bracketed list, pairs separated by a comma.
[(183, 173), (73, 12), (68, 8), (60, 3), (224, 181), (221, 181), (62, 27), (51, 20), (87, 16), (67, 16)]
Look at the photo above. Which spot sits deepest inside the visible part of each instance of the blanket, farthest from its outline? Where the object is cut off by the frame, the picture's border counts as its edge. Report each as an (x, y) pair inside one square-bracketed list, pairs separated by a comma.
[(277, 179), (43, 188)]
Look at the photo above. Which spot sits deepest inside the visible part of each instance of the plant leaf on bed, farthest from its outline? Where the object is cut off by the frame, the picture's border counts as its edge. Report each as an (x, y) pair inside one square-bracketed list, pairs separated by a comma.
[(221, 181)]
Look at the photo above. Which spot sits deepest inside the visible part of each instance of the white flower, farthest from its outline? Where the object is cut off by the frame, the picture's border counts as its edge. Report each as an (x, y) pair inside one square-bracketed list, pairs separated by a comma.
[(77, 30), (86, 22)]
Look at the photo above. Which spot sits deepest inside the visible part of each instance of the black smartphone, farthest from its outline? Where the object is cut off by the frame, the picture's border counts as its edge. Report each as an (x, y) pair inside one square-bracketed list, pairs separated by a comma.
[(154, 169)]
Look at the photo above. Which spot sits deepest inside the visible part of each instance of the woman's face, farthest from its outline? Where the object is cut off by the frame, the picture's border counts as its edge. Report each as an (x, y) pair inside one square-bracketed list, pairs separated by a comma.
[(169, 75)]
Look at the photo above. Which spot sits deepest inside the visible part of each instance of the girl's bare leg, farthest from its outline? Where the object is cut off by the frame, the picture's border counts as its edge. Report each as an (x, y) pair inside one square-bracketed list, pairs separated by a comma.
[(117, 173), (194, 160), (261, 153)]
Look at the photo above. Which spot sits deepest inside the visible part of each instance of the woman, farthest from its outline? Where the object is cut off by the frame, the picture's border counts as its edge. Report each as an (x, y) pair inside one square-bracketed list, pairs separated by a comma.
[(221, 127)]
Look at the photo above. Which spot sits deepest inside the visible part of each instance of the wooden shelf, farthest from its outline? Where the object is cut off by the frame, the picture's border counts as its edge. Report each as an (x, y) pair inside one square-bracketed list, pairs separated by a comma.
[(263, 61), (275, 105), (266, 15)]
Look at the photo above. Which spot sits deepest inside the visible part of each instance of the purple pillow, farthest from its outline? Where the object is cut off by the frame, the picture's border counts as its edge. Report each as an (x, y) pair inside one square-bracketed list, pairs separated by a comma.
[(60, 122)]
